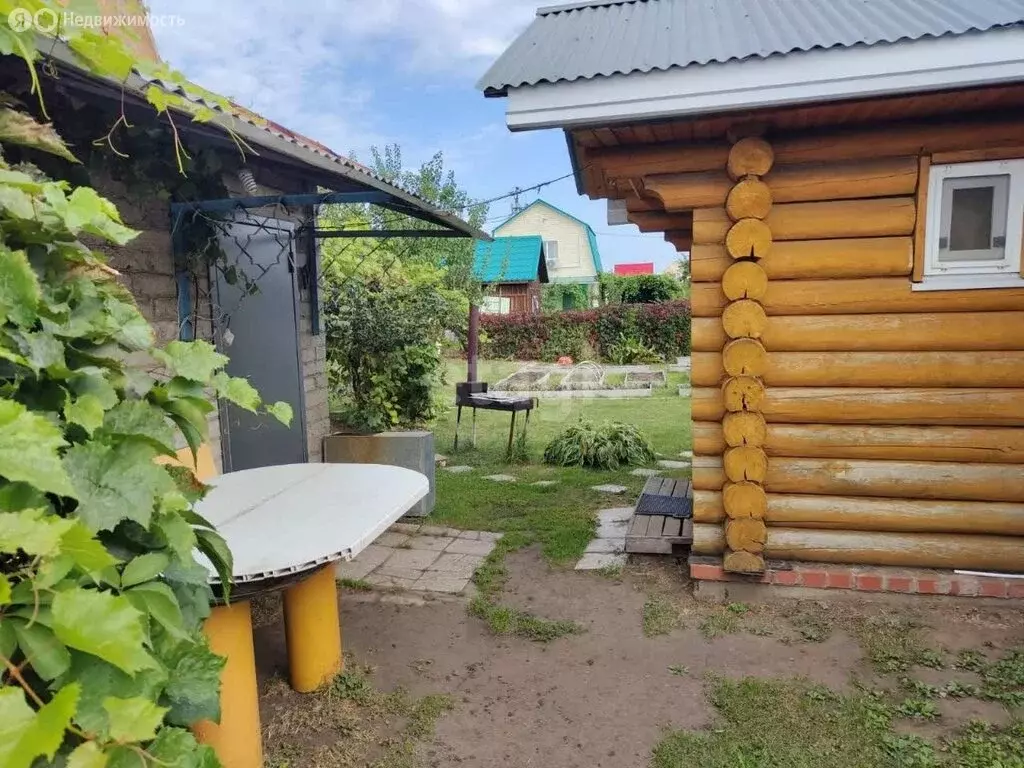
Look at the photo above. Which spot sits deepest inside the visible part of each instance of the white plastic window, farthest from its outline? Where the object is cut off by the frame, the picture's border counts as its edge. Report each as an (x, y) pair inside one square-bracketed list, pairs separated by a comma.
[(551, 252), (974, 225)]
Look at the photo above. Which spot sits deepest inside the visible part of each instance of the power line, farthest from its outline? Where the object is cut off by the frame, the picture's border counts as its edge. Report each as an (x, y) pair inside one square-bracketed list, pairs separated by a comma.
[(520, 190)]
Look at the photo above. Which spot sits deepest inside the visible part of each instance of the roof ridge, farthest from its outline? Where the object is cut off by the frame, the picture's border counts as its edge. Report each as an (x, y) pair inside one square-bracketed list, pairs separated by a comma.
[(581, 5)]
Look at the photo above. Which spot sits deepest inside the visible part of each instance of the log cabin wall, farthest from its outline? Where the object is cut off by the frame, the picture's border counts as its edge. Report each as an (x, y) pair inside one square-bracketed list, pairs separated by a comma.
[(840, 416)]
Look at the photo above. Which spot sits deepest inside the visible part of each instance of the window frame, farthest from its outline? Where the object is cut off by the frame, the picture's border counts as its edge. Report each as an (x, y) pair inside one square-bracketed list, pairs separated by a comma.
[(550, 258), (971, 273)]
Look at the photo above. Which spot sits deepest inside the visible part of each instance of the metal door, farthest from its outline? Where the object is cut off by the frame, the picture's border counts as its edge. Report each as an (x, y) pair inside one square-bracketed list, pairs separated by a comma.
[(257, 310)]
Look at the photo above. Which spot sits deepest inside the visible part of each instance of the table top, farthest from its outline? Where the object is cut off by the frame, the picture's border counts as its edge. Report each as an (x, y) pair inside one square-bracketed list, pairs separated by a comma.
[(295, 517)]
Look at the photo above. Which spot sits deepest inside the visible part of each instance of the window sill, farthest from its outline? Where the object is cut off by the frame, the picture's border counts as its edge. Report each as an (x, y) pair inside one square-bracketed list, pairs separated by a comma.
[(967, 282)]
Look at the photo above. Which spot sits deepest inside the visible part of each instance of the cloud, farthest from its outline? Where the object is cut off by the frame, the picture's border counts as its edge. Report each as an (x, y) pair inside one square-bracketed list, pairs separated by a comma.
[(316, 65)]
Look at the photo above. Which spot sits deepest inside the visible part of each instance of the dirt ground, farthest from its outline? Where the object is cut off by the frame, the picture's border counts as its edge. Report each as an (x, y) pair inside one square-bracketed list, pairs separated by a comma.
[(602, 697)]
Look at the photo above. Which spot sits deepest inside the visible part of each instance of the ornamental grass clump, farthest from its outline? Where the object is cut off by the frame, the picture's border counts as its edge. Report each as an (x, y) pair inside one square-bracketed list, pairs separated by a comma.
[(601, 446)]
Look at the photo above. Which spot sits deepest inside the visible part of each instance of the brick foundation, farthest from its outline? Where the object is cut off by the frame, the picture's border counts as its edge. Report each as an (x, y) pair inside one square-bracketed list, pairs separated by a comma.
[(863, 579)]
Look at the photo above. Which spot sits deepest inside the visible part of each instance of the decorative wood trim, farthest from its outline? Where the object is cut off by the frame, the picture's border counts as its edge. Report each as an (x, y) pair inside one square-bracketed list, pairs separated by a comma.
[(977, 155), (921, 203)]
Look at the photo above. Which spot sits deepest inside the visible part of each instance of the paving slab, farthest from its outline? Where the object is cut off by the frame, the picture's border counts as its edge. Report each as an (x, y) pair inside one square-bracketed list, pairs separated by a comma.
[(389, 582), (392, 539), (440, 459), (609, 488), (645, 472), (454, 564), (488, 535), (686, 454), (458, 469), (670, 464), (436, 581), (471, 535), (470, 547), (368, 559), (433, 530), (501, 478), (544, 483), (411, 558), (400, 572), (612, 530), (608, 546), (436, 543), (593, 561), (615, 514)]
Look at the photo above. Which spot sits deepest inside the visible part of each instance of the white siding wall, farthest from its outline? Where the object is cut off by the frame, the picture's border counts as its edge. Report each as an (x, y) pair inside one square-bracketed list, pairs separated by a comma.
[(574, 258)]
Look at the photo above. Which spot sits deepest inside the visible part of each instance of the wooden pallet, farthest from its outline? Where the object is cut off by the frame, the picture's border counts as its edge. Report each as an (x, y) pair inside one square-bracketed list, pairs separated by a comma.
[(659, 535)]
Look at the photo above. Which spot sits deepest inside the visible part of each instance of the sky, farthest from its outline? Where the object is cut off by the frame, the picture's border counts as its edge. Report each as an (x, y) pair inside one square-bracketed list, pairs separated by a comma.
[(357, 73)]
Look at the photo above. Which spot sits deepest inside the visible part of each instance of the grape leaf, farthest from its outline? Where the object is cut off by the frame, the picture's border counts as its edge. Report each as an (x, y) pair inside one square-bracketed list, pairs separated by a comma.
[(32, 531), (28, 449), (25, 734), (114, 483), (85, 411), (159, 602), (47, 655), (20, 128), (281, 411), (134, 719), (87, 755), (19, 288), (143, 568), (195, 360), (103, 624), (100, 680), (16, 203), (212, 545), (130, 328), (87, 211), (177, 533), (87, 552), (5, 592), (237, 390), (138, 418), (193, 688)]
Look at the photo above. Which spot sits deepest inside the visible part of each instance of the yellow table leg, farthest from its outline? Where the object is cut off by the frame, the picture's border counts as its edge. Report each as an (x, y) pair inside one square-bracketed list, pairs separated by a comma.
[(313, 630), (236, 739)]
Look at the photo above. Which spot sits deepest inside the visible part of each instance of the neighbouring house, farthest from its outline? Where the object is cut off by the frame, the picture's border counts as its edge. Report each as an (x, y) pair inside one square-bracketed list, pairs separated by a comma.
[(570, 245), (638, 268), (511, 270), (849, 180), (258, 214)]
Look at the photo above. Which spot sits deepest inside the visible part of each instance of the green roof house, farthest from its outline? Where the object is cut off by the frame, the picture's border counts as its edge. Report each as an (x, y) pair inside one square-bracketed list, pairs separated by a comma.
[(512, 268)]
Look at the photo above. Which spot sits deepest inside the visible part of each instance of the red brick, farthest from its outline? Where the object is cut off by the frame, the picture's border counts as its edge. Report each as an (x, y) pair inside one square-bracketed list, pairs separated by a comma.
[(840, 579), (786, 578), (993, 588), (706, 572), (1015, 589), (899, 584), (868, 582), (809, 578), (932, 587)]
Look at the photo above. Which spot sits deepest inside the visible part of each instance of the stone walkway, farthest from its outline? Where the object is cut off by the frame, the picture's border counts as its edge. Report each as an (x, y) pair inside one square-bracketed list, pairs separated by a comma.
[(425, 558), (607, 549)]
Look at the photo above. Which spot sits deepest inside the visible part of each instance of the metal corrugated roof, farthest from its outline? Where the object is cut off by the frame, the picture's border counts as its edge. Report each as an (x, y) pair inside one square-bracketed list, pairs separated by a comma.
[(606, 37), (509, 259), (591, 235)]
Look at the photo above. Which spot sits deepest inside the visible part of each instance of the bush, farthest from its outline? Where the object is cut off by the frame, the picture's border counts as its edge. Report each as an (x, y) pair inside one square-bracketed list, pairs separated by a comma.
[(663, 328), (605, 446), (384, 353), (639, 289), (632, 351)]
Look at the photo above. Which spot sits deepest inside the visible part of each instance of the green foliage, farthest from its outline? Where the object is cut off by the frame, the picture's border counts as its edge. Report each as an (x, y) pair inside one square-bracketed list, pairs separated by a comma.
[(101, 597), (639, 289), (663, 328), (629, 350), (556, 297), (384, 353), (604, 446)]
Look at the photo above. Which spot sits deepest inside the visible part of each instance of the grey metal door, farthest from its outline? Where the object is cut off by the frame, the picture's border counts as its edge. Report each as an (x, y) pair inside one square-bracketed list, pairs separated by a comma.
[(262, 326)]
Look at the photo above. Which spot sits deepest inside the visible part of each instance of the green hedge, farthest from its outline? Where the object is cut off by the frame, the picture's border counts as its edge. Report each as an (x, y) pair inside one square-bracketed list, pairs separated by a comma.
[(665, 327)]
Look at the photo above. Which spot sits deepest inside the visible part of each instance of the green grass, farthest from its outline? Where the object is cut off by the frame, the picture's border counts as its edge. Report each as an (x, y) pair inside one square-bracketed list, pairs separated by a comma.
[(794, 724), (660, 616), (664, 418)]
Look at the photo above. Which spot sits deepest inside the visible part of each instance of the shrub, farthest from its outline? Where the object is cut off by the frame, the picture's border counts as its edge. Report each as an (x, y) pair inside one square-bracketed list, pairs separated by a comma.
[(663, 327), (604, 446), (639, 289), (384, 352), (631, 351)]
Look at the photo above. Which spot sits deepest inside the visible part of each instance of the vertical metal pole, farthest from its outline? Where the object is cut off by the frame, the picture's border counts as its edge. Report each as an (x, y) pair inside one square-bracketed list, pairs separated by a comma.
[(472, 347), (474, 427), (458, 420), (511, 433)]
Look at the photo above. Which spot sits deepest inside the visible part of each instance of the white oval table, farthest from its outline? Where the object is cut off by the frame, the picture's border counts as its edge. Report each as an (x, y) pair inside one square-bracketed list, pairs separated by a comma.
[(293, 522)]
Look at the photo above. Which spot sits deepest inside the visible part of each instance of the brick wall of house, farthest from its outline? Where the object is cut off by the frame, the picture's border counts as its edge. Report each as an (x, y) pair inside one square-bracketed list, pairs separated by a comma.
[(147, 270)]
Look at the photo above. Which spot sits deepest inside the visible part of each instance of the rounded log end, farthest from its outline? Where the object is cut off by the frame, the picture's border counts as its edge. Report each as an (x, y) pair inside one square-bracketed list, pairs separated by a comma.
[(743, 562), (745, 463), (750, 156), (749, 199), (744, 319), (743, 393), (745, 280), (745, 499), (744, 428), (745, 357), (748, 238)]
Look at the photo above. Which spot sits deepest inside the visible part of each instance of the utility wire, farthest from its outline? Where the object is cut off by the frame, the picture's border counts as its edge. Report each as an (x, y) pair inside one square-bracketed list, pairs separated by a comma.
[(520, 190)]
